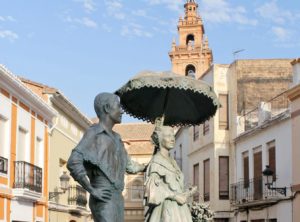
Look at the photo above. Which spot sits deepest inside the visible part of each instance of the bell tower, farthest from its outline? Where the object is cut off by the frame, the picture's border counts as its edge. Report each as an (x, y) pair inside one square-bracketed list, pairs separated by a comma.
[(192, 52)]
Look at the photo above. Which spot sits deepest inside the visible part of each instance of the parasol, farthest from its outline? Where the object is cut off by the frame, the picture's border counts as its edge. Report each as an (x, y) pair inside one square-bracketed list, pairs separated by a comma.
[(181, 100)]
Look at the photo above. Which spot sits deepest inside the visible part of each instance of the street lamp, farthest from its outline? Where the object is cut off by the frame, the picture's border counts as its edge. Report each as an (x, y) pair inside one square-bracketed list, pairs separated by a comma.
[(268, 177), (64, 185)]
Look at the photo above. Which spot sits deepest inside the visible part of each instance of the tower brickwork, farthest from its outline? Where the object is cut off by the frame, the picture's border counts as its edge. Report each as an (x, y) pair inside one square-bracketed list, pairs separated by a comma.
[(192, 52)]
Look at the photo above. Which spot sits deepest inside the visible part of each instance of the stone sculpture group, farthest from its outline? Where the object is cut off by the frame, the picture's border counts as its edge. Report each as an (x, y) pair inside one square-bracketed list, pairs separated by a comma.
[(98, 163)]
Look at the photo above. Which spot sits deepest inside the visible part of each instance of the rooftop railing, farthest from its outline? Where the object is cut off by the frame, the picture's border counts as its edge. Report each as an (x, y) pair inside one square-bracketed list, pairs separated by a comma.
[(266, 111)]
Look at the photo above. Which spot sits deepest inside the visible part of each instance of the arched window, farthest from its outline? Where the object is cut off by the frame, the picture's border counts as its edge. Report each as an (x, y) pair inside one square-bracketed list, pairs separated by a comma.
[(190, 39), (190, 70), (137, 190)]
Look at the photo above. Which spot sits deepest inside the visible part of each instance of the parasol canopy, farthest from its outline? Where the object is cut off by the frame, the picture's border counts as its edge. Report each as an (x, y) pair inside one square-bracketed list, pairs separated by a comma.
[(181, 100)]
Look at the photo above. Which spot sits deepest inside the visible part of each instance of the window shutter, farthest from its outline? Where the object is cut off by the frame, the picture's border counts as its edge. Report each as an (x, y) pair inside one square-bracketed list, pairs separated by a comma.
[(272, 159), (246, 172), (224, 177), (206, 180)]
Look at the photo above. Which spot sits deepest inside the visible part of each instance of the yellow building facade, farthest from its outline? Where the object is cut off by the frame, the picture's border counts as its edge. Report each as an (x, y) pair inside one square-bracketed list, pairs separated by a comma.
[(25, 121)]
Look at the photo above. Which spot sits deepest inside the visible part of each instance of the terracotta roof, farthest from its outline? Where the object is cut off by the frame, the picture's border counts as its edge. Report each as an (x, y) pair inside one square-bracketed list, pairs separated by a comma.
[(140, 148), (46, 89), (41, 90), (134, 131)]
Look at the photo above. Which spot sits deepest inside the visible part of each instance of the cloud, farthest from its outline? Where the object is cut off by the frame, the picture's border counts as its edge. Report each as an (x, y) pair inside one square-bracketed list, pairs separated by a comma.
[(174, 5), (114, 9), (88, 5), (133, 29), (85, 21), (8, 34), (271, 11), (281, 34), (140, 12), (106, 27), (7, 19), (220, 11)]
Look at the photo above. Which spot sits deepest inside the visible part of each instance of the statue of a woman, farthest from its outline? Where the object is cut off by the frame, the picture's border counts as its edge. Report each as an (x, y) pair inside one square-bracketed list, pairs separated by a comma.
[(165, 196)]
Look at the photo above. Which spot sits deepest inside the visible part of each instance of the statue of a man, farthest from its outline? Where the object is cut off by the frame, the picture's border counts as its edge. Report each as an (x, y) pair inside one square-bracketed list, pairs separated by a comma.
[(98, 163)]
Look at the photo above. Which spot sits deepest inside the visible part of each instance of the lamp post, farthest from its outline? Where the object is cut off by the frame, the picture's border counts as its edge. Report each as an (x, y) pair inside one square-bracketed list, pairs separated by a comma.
[(64, 185), (268, 177)]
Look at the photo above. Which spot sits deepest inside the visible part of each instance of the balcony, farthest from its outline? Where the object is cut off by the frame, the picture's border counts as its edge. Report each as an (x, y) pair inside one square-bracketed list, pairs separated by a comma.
[(28, 180), (252, 193), (3, 165), (77, 197)]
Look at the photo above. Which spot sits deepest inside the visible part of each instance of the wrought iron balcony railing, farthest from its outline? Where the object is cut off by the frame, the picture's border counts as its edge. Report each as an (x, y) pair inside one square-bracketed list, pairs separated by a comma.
[(3, 165), (28, 176), (77, 196), (252, 190), (267, 111)]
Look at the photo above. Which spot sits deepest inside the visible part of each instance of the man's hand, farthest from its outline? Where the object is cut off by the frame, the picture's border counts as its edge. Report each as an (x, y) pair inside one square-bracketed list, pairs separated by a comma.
[(102, 194)]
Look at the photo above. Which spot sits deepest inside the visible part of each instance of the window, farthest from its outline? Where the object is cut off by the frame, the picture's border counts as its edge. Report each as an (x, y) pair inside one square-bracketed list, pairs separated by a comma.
[(190, 70), (196, 181), (3, 165), (246, 169), (39, 154), (196, 132), (206, 179), (224, 177), (272, 157), (63, 121), (190, 39), (23, 144), (3, 136), (205, 127), (74, 129), (257, 157), (137, 190), (223, 112)]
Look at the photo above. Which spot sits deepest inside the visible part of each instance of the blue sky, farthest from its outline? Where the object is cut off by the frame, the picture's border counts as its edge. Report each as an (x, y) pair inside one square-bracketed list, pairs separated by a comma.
[(84, 47)]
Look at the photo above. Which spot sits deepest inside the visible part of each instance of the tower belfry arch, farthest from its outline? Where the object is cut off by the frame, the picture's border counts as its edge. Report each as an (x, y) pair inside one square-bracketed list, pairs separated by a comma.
[(192, 49)]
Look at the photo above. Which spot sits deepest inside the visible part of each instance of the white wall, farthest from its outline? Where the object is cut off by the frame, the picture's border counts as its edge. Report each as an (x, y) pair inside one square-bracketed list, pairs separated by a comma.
[(183, 138), (21, 211), (24, 122), (281, 133), (5, 113)]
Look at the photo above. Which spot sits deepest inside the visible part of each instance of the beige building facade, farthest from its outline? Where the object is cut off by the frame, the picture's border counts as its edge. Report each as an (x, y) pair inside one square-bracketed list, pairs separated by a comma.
[(294, 97), (67, 130)]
